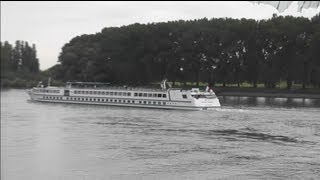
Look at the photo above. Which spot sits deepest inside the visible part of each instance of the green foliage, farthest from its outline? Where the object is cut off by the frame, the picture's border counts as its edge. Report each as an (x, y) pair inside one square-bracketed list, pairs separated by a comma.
[(19, 65), (223, 50)]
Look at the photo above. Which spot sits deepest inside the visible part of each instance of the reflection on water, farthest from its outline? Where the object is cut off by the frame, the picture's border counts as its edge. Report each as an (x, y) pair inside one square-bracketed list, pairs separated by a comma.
[(269, 102)]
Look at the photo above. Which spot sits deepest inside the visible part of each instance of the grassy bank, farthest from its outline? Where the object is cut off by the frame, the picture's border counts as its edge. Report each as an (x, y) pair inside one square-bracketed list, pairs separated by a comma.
[(247, 89), (19, 83)]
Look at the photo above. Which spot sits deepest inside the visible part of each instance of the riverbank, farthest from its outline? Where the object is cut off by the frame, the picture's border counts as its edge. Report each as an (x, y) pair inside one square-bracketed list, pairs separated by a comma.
[(261, 92)]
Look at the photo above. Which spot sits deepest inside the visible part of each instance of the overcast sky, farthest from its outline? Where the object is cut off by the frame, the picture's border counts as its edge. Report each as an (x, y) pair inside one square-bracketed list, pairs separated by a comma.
[(50, 25)]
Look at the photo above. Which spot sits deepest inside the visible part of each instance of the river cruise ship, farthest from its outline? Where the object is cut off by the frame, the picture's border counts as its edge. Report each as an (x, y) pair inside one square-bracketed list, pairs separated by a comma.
[(104, 94)]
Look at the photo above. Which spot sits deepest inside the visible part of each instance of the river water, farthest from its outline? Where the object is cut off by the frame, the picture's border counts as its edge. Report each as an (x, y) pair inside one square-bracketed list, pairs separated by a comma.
[(248, 138)]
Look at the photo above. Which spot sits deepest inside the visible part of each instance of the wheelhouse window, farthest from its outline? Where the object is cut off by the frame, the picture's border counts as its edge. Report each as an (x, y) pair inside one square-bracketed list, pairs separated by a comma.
[(159, 95), (164, 95), (184, 96)]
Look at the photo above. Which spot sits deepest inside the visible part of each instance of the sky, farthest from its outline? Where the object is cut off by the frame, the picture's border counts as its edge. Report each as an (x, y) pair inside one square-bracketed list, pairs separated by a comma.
[(50, 25)]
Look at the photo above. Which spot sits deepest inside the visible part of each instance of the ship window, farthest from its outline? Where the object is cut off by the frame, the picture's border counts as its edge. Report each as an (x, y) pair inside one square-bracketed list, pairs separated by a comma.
[(140, 94), (107, 93), (149, 102), (140, 102), (154, 102), (159, 103), (115, 100), (159, 95), (115, 93), (155, 95), (144, 102), (184, 96), (120, 94), (145, 95), (128, 94), (149, 95), (124, 94), (164, 95), (164, 103), (111, 93), (135, 94)]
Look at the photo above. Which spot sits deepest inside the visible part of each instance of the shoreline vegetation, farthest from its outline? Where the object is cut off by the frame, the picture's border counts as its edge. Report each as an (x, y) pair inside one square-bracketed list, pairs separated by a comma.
[(276, 57)]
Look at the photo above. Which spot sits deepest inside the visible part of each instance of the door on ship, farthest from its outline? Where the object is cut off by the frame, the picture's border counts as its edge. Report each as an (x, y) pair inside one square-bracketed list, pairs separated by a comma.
[(66, 92)]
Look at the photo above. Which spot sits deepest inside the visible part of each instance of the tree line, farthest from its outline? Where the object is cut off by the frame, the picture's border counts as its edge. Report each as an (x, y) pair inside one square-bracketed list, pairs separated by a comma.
[(219, 50), (18, 62)]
